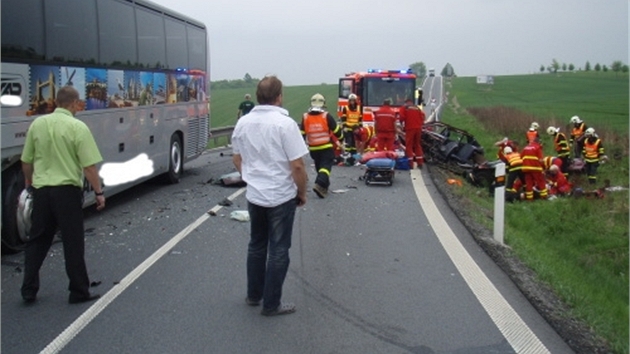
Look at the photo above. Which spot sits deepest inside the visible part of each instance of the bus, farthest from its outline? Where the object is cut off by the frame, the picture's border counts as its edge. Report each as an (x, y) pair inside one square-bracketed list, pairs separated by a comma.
[(141, 72)]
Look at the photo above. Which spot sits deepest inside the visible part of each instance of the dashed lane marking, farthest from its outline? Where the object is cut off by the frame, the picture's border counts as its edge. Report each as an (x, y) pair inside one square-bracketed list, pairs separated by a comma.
[(80, 323)]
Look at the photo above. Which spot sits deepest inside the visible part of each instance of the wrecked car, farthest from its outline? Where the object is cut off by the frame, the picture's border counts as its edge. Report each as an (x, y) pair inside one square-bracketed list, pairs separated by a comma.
[(458, 151)]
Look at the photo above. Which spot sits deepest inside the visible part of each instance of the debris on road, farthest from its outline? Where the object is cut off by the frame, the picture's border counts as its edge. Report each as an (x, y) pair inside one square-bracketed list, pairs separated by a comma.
[(225, 202), (240, 215)]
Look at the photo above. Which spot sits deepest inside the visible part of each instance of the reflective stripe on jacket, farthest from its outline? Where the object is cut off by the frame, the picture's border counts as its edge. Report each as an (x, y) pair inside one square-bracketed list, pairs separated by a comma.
[(578, 131), (514, 161), (352, 117), (592, 150), (561, 145), (531, 158), (316, 129)]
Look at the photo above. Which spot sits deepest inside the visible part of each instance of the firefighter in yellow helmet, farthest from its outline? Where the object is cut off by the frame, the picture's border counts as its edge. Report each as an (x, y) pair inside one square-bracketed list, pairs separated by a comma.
[(317, 127), (561, 145), (351, 117)]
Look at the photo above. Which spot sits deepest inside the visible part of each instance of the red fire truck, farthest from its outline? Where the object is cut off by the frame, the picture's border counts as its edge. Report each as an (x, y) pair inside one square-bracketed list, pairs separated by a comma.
[(372, 87)]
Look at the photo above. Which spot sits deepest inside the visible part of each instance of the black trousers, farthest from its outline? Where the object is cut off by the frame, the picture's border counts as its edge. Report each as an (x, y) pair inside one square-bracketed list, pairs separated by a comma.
[(57, 207), (324, 160)]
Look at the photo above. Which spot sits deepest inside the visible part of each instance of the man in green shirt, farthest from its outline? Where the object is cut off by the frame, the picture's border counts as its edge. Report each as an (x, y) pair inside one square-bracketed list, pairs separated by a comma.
[(245, 106), (58, 152)]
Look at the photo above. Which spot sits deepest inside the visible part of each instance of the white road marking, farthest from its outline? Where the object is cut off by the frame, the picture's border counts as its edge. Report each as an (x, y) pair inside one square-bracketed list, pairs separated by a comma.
[(509, 323), (80, 323)]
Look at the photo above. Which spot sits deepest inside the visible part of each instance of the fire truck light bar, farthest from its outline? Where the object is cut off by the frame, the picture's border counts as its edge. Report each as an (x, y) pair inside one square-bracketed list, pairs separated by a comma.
[(403, 71)]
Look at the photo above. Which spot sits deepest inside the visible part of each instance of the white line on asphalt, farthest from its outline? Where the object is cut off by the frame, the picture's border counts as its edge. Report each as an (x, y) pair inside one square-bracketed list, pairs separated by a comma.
[(513, 328), (80, 323)]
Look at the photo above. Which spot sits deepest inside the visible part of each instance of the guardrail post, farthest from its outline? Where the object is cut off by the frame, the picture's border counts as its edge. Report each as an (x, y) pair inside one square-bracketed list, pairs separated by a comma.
[(499, 201)]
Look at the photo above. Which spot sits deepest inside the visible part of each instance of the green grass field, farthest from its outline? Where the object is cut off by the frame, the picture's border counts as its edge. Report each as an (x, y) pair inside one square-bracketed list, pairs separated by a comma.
[(296, 99), (600, 99), (579, 246)]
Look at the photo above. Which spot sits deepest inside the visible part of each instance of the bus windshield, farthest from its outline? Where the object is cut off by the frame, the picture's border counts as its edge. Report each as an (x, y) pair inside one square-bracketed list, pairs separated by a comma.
[(377, 89)]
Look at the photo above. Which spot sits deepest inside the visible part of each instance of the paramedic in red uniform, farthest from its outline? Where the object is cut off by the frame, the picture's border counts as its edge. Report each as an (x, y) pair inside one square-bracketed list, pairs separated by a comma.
[(557, 182), (362, 137), (412, 119), (533, 170), (317, 127), (385, 126)]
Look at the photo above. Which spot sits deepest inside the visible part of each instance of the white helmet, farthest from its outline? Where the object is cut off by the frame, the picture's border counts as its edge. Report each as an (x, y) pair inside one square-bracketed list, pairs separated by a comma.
[(575, 119), (534, 126), (589, 132), (507, 150), (318, 101), (352, 97), (552, 130)]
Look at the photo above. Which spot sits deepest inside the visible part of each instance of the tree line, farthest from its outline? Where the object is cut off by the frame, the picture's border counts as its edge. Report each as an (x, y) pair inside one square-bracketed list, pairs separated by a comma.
[(420, 69), (555, 66)]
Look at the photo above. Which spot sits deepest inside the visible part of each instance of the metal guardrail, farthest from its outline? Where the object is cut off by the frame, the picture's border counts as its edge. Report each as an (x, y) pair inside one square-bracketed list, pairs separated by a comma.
[(217, 133)]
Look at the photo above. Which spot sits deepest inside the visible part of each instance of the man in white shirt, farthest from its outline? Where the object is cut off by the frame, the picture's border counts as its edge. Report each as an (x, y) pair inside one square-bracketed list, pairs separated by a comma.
[(268, 152)]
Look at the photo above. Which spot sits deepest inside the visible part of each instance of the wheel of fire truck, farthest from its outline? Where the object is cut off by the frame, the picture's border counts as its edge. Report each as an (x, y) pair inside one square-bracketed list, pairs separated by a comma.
[(12, 186)]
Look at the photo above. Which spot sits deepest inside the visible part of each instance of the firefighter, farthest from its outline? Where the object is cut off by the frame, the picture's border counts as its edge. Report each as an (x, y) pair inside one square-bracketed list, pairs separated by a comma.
[(501, 144), (351, 117), (385, 126), (532, 133), (577, 135), (412, 119), (317, 126), (561, 145), (514, 164), (533, 171), (362, 137), (557, 183), (549, 161), (593, 152)]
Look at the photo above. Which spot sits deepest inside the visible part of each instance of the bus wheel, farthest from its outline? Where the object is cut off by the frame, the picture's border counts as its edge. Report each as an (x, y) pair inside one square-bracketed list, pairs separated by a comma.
[(12, 186), (175, 160)]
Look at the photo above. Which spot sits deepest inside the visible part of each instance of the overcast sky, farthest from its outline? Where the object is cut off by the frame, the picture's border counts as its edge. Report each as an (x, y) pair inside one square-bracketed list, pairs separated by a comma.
[(313, 42)]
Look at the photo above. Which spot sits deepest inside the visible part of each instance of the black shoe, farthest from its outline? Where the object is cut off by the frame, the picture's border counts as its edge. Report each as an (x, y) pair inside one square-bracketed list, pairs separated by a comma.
[(320, 191), (29, 299), (78, 300), (283, 309), (251, 302)]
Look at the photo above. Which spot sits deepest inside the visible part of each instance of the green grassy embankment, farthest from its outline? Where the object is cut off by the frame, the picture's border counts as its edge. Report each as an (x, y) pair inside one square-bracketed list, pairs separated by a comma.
[(579, 246)]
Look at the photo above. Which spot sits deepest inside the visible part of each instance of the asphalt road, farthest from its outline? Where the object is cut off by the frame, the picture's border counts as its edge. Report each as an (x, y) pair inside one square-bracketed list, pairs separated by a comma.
[(370, 273)]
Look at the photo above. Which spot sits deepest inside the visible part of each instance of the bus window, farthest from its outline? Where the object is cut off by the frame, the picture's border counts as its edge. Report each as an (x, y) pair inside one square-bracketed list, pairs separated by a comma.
[(117, 36), (151, 42), (26, 37), (72, 36), (177, 53), (197, 51)]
